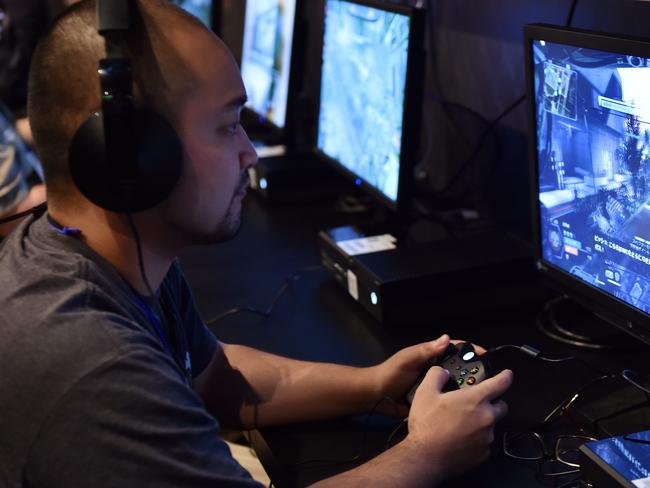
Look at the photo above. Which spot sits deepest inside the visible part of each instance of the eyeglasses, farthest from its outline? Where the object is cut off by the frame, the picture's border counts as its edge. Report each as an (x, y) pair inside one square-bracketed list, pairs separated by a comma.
[(530, 446)]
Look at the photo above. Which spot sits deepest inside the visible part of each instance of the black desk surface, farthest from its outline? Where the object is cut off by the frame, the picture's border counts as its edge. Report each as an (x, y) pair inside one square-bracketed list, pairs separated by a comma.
[(316, 320)]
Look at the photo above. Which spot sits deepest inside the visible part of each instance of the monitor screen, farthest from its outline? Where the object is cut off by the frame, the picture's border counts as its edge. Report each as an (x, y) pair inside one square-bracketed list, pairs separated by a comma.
[(592, 126), (202, 9), (362, 98), (266, 57)]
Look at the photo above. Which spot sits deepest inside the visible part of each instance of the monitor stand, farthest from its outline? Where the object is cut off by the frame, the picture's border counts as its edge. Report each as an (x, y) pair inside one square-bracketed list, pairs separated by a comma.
[(568, 322)]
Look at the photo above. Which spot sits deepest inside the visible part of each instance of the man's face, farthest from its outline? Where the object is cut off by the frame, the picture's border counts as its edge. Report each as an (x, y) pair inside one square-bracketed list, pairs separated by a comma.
[(205, 206)]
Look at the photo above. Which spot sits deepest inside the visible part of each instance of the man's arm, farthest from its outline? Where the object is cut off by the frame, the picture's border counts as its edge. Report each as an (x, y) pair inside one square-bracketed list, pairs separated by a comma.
[(449, 433), (247, 388)]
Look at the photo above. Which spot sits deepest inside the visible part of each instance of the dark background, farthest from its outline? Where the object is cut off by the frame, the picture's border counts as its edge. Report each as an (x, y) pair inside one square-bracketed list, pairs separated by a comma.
[(475, 61)]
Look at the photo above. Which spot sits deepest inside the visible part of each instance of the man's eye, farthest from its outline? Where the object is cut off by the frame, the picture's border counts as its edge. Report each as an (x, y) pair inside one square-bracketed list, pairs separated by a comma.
[(232, 128)]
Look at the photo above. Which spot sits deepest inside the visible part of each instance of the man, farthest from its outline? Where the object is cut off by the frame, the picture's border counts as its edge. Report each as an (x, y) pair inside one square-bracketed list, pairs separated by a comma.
[(93, 390)]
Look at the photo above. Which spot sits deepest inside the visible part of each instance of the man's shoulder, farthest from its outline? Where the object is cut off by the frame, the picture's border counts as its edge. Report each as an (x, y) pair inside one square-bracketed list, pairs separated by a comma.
[(62, 312)]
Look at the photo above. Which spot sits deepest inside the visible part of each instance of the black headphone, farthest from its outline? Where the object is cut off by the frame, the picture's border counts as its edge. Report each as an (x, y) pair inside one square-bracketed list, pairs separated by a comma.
[(126, 158)]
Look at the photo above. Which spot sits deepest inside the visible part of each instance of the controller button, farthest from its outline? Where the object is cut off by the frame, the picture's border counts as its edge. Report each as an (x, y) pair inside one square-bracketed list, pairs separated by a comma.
[(460, 381), (471, 380), (468, 356), (457, 368), (464, 372), (474, 370)]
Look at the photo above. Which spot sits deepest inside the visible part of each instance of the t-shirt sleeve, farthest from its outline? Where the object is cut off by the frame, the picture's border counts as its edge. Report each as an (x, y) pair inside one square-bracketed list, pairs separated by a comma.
[(202, 343), (132, 421)]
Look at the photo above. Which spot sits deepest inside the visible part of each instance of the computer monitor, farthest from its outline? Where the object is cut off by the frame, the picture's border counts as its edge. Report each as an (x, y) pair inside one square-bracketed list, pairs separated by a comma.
[(268, 59), (25, 157), (370, 94), (589, 96), (201, 9)]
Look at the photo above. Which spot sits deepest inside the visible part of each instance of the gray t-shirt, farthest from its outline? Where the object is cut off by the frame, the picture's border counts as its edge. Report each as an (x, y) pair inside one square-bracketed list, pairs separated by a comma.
[(89, 396)]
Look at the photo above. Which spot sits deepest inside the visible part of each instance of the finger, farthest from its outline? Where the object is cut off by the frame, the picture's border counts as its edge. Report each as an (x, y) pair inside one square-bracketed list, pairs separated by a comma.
[(500, 409), (432, 349), (479, 349), (494, 387), (435, 379), (438, 346)]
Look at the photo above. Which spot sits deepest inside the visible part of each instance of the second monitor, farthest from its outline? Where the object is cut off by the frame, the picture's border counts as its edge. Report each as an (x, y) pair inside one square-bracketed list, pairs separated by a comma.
[(370, 95)]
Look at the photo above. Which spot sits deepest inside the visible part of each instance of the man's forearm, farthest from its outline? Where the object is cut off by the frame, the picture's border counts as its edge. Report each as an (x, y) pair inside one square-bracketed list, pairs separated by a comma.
[(403, 465), (254, 389)]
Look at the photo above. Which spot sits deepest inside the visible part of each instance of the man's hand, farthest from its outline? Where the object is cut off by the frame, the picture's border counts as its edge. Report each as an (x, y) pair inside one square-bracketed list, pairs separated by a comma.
[(454, 430), (395, 377)]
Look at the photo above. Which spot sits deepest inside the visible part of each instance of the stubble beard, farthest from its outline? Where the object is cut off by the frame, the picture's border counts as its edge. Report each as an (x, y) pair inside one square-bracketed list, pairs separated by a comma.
[(229, 226)]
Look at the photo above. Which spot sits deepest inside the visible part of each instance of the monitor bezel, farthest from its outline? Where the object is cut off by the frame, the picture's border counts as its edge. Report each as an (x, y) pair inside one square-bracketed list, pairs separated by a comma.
[(274, 131), (608, 307), (216, 14), (411, 119)]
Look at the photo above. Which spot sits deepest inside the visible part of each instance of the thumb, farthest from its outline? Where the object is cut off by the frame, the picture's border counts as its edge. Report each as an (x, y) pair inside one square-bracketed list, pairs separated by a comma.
[(435, 348), (435, 379)]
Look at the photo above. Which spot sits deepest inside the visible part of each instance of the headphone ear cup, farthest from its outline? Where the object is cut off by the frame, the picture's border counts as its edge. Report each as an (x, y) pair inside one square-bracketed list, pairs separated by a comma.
[(128, 184)]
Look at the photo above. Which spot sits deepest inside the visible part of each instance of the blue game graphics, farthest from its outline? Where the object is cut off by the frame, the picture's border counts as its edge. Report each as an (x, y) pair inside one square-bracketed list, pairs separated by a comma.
[(202, 9), (629, 455), (593, 141), (266, 57), (363, 82)]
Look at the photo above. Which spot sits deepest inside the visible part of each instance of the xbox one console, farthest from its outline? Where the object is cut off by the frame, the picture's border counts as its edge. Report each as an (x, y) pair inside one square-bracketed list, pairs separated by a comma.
[(403, 284)]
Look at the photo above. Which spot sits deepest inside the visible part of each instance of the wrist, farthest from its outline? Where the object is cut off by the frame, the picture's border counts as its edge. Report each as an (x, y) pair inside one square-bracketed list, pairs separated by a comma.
[(373, 385), (428, 464)]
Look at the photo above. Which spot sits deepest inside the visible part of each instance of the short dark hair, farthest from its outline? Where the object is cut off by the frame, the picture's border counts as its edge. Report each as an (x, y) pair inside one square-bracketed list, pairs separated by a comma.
[(64, 86)]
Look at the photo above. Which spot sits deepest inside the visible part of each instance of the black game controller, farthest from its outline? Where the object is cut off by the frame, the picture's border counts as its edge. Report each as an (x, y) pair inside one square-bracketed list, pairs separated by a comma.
[(465, 366)]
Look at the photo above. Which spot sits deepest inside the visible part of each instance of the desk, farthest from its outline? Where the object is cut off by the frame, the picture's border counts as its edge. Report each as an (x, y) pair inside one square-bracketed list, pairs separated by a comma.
[(316, 320)]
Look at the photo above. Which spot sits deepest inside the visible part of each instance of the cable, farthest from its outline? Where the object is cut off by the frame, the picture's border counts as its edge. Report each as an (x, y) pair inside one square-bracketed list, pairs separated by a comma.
[(531, 351), (394, 432), (626, 375), (266, 313), (569, 17), (41, 207), (357, 456), (490, 128), (536, 354), (479, 145), (550, 325), (138, 247)]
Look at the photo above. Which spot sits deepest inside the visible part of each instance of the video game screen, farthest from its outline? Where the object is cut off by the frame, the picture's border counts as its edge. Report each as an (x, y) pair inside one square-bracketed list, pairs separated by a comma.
[(629, 455), (363, 82), (593, 141), (202, 9), (266, 57)]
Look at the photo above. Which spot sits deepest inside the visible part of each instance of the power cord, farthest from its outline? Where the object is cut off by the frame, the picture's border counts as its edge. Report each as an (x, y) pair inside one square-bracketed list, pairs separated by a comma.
[(479, 145), (492, 125), (572, 10), (266, 313)]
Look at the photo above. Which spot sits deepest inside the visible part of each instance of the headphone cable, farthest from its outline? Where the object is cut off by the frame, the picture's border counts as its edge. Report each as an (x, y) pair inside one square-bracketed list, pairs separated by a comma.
[(138, 247), (41, 207)]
